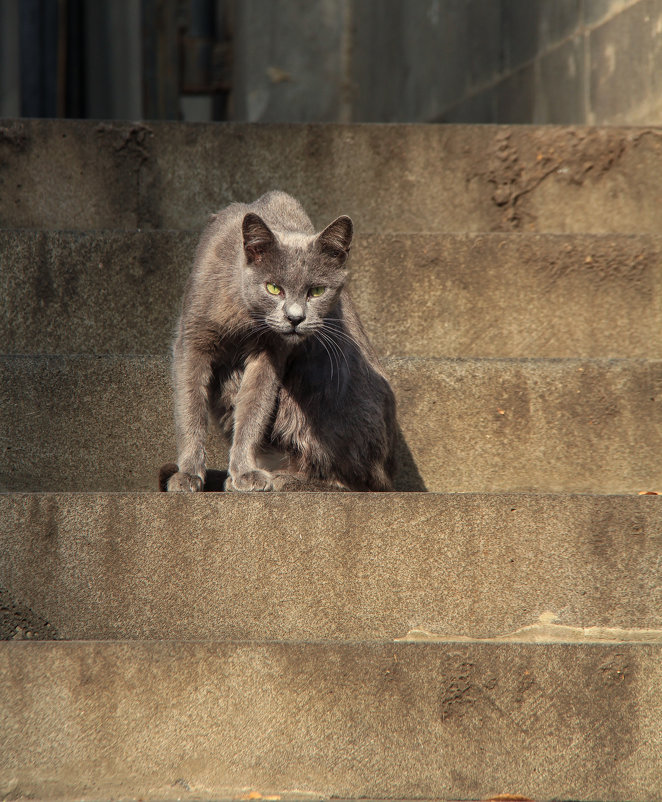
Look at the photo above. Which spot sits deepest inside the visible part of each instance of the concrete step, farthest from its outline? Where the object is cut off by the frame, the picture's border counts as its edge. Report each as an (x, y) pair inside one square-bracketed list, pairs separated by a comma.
[(454, 720), (84, 174), (328, 566), (419, 294), (105, 423)]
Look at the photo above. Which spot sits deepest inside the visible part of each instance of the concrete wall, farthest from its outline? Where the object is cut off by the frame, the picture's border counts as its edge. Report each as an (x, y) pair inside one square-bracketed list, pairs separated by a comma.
[(572, 61), (291, 60), (504, 61)]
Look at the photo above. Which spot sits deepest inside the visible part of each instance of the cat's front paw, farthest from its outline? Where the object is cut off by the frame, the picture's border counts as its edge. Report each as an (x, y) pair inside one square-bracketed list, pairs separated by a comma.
[(250, 480), (185, 483)]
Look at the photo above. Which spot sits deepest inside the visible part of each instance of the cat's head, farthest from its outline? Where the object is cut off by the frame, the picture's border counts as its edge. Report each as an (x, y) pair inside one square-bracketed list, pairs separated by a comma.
[(292, 281)]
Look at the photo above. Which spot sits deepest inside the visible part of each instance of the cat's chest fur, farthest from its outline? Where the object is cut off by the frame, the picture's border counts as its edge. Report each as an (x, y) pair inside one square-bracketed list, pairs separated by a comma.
[(313, 385)]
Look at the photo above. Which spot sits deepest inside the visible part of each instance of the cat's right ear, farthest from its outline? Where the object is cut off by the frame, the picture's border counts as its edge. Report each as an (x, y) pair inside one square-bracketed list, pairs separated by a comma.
[(258, 238), (336, 238)]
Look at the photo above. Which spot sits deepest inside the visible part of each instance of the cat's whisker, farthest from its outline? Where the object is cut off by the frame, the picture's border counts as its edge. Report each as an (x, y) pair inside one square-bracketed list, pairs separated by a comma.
[(342, 334), (343, 337), (256, 331), (321, 342), (336, 347), (236, 328), (338, 350), (343, 341), (335, 350), (333, 326)]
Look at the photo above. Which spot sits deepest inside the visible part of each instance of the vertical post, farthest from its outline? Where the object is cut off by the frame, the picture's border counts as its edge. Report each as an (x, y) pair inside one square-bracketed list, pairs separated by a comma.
[(75, 60), (10, 94), (160, 59), (222, 60), (38, 35)]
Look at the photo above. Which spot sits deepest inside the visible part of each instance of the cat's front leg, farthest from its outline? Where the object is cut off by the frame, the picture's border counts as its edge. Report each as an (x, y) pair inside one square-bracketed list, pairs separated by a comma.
[(191, 373), (185, 482), (256, 479), (254, 406)]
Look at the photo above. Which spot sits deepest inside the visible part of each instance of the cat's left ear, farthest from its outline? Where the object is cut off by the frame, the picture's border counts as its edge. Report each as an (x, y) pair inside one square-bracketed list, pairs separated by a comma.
[(336, 238)]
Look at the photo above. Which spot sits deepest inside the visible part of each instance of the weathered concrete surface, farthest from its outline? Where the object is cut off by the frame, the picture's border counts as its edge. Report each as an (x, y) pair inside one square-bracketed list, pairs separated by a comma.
[(625, 66), (105, 423), (547, 425), (419, 294), (92, 292), (564, 62), (411, 61), (288, 61), (84, 175), (455, 720), (338, 566), (69, 176)]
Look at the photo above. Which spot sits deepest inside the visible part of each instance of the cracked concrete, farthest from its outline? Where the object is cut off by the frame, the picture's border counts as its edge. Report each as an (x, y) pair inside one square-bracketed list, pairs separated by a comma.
[(517, 167)]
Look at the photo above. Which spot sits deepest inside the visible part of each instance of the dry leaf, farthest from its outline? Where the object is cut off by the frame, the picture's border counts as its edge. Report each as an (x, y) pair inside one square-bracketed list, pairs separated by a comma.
[(509, 798), (650, 493)]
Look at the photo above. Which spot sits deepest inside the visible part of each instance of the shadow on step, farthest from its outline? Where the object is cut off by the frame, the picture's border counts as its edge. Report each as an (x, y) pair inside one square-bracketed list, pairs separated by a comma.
[(407, 476), (20, 622)]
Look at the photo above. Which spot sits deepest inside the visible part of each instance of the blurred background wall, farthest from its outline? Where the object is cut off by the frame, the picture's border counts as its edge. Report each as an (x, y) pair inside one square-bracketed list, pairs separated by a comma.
[(506, 61)]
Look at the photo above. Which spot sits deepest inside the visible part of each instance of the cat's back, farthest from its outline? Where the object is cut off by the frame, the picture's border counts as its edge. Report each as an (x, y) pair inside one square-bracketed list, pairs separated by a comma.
[(282, 212)]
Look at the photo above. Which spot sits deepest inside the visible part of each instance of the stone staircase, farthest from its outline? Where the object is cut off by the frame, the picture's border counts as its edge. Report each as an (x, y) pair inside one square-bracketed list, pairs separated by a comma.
[(499, 634)]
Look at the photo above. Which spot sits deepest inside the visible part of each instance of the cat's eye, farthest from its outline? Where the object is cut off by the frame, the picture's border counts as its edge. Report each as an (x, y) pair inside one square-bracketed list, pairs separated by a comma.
[(315, 292), (273, 289)]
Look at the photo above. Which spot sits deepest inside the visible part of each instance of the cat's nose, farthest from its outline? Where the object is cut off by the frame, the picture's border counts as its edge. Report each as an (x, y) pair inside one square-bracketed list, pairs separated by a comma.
[(295, 314)]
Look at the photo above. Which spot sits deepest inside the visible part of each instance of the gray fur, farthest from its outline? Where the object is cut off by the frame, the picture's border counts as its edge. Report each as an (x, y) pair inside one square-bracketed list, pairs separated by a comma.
[(292, 379)]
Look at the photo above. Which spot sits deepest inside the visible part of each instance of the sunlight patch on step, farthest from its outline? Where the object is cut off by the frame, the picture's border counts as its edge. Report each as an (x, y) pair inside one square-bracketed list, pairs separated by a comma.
[(546, 630)]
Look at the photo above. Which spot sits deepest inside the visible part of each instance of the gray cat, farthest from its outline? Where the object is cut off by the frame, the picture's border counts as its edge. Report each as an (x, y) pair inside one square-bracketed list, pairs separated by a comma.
[(270, 344)]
